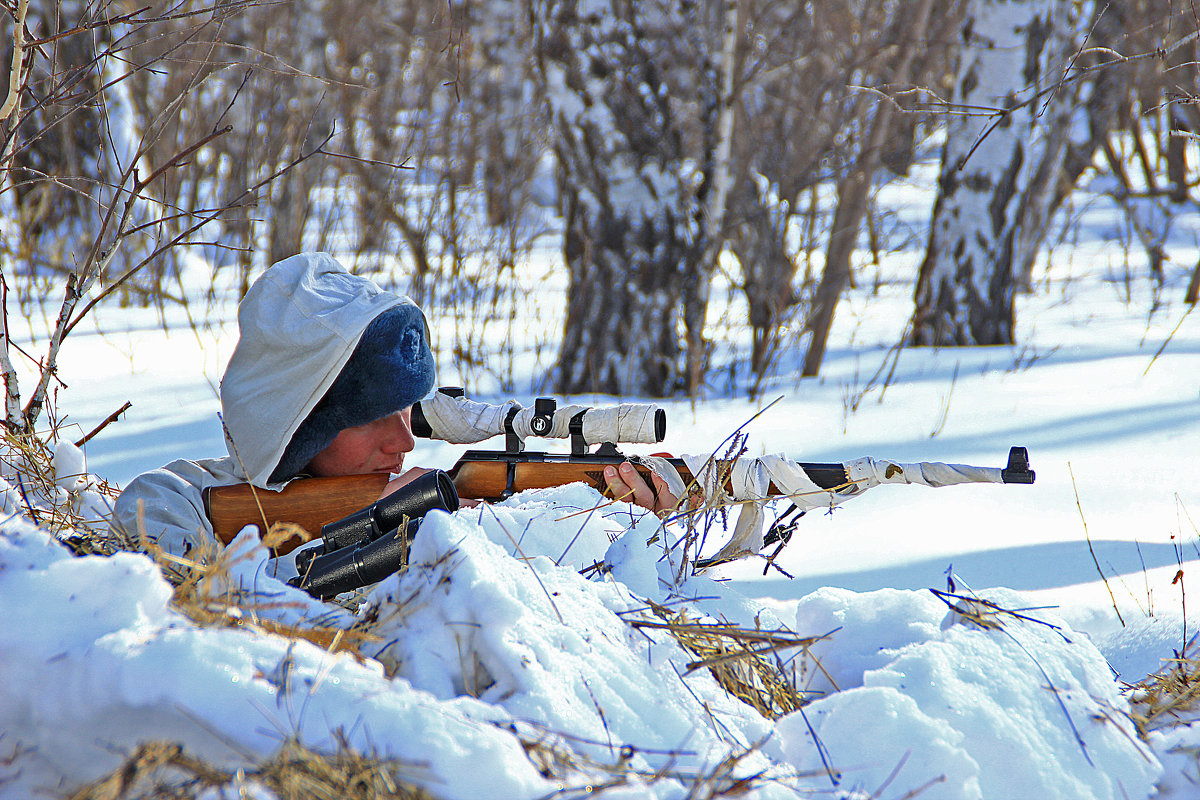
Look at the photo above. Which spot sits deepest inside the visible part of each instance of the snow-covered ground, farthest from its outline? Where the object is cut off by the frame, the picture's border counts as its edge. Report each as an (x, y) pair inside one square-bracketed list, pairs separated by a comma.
[(495, 641)]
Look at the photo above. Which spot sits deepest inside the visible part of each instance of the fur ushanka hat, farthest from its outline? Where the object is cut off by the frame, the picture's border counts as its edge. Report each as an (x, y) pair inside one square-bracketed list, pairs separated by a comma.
[(389, 370)]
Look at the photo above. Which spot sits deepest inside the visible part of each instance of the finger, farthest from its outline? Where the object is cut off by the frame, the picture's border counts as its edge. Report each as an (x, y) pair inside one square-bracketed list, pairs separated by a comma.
[(666, 502), (626, 485), (617, 488), (643, 494)]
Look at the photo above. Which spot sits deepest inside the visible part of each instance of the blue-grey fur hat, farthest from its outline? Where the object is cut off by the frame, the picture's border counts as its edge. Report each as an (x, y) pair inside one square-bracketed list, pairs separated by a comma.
[(390, 369)]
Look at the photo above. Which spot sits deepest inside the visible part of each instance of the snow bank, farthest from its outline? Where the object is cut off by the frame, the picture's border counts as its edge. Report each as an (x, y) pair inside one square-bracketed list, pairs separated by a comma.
[(1020, 710), (493, 642), (94, 662)]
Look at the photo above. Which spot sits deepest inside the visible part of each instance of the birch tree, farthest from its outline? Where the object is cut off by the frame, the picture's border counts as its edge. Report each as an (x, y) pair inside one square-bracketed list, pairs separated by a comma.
[(1011, 64), (635, 99)]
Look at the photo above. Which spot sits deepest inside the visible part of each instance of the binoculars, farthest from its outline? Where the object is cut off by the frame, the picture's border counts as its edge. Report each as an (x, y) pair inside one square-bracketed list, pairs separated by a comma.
[(371, 544)]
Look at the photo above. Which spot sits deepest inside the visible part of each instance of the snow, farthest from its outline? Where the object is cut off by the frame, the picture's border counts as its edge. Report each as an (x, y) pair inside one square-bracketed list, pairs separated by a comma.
[(494, 644), (970, 703)]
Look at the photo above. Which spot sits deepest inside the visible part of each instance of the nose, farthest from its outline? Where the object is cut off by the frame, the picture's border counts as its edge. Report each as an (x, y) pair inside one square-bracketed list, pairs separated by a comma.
[(397, 435)]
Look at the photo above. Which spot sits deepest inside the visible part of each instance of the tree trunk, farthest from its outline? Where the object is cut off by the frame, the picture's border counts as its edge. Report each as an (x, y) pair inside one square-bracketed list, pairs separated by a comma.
[(851, 208), (759, 241), (621, 335), (983, 217), (1052, 132), (634, 179)]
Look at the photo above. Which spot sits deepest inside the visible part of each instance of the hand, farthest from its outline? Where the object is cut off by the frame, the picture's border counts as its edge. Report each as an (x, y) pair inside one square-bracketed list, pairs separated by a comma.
[(625, 483), (406, 477)]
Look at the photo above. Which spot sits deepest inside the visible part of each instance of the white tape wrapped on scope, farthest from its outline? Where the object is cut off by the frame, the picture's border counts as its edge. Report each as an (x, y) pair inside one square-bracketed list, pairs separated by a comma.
[(461, 421), (628, 423)]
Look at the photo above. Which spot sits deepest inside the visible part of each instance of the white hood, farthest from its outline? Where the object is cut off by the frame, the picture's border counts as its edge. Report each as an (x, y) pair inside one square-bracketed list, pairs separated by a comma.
[(298, 324)]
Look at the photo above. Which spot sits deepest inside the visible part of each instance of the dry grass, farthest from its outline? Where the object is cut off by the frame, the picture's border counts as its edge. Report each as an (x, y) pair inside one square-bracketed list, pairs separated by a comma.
[(202, 592), (1169, 697), (161, 770), (27, 461), (580, 776), (745, 662), (205, 594)]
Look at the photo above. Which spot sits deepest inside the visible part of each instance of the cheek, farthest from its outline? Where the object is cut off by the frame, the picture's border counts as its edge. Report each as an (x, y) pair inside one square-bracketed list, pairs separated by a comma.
[(344, 456), (357, 449)]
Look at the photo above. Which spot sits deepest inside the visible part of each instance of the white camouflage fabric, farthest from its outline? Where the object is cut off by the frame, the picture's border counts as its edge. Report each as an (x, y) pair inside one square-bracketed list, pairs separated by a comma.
[(750, 478)]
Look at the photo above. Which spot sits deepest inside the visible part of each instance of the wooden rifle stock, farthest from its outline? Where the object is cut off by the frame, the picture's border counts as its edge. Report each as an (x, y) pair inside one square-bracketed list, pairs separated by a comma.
[(307, 502), (479, 475)]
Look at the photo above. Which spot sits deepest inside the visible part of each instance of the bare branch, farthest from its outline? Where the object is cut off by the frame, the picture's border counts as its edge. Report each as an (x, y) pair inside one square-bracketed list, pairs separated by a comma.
[(18, 62), (181, 238)]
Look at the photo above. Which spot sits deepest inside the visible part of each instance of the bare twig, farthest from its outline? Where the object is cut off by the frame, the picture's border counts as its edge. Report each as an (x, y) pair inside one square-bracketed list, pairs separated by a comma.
[(1091, 549), (182, 236), (16, 69), (1171, 335), (111, 418)]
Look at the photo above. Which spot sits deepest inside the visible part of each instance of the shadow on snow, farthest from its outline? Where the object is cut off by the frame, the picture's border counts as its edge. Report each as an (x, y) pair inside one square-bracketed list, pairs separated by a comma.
[(1026, 568)]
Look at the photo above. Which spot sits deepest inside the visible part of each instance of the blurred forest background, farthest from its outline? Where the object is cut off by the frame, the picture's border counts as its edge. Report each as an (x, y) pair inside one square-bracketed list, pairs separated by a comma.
[(656, 145)]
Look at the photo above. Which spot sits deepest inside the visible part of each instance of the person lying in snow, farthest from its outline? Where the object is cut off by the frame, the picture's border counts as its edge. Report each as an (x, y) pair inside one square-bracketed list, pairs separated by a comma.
[(321, 383)]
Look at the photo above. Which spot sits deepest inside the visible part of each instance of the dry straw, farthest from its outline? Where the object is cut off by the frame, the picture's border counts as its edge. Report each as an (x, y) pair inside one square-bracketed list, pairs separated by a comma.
[(205, 594), (746, 662), (165, 770), (581, 776), (203, 591), (1170, 697), (27, 462)]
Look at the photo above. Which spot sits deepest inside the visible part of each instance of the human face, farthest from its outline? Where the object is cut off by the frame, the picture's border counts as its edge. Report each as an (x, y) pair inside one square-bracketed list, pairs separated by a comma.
[(378, 446)]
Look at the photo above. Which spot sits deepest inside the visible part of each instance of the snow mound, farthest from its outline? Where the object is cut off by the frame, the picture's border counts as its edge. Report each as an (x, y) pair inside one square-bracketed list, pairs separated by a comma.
[(1023, 709)]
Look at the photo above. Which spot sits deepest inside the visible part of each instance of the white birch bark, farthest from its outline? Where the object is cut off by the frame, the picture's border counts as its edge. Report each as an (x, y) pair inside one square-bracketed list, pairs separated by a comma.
[(10, 110), (986, 218), (633, 193), (1059, 119)]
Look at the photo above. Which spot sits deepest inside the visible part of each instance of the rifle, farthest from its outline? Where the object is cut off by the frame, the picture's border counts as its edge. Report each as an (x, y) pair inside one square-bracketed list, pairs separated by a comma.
[(311, 503)]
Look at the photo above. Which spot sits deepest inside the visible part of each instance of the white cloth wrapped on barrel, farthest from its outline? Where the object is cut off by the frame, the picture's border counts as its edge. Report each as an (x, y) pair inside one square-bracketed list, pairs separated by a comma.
[(868, 472), (461, 421), (749, 480)]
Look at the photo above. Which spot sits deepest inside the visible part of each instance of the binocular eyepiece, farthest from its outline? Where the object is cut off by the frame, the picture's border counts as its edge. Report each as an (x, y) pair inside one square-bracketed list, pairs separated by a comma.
[(372, 543), (433, 490)]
